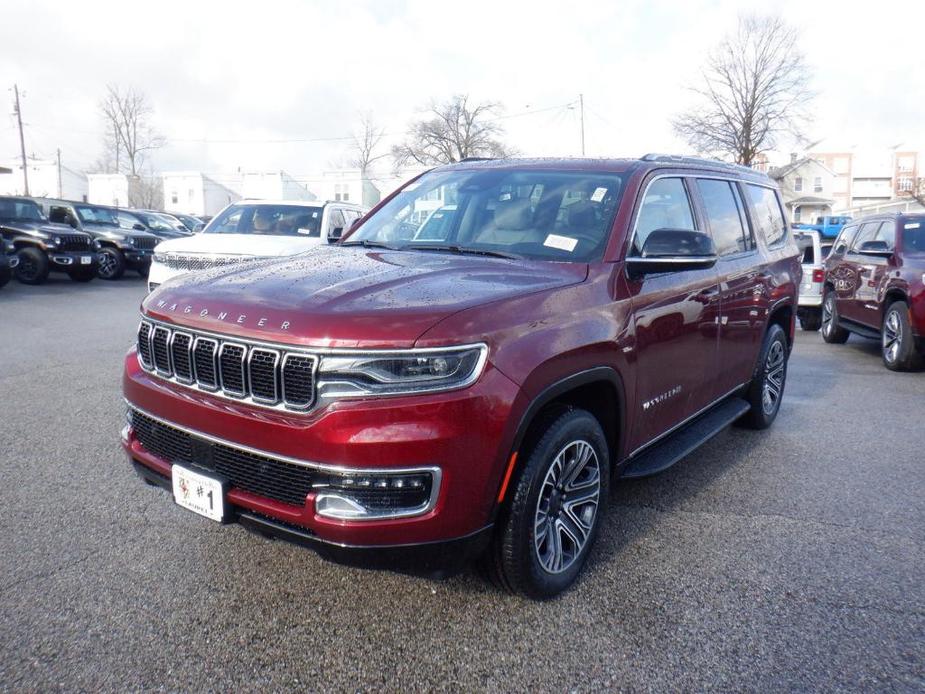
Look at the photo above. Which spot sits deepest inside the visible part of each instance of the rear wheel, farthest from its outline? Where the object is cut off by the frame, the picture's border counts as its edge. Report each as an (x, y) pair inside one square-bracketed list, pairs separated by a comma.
[(766, 389), (554, 514), (112, 264), (33, 266), (832, 332), (899, 352)]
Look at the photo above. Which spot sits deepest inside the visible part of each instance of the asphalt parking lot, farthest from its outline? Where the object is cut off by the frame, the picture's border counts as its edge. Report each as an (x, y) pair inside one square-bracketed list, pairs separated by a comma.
[(791, 559)]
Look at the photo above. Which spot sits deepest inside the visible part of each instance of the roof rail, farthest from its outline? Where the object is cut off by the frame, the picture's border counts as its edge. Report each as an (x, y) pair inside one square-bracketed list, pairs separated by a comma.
[(474, 159), (701, 161)]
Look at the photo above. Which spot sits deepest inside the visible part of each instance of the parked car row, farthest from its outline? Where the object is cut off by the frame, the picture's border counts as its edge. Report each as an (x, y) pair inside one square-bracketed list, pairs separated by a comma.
[(83, 240)]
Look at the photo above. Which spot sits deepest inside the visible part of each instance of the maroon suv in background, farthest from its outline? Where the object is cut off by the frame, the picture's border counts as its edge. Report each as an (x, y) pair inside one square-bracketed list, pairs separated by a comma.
[(419, 399), (875, 287)]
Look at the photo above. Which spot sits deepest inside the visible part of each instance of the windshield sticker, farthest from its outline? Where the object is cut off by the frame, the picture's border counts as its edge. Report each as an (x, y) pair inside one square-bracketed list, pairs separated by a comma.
[(307, 232), (563, 243), (504, 196), (598, 194), (914, 225)]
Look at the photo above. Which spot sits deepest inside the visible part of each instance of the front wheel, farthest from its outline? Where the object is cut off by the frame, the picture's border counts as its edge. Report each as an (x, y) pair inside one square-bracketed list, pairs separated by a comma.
[(766, 389), (554, 514), (899, 353), (112, 264), (832, 332), (33, 266)]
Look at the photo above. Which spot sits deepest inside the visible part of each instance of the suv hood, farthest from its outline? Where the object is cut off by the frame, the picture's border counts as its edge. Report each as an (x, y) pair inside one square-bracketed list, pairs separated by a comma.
[(240, 244), (349, 297), (39, 229)]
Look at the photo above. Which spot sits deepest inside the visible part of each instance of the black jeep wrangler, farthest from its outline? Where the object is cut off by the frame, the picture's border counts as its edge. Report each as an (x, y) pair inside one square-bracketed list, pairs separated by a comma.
[(120, 248)]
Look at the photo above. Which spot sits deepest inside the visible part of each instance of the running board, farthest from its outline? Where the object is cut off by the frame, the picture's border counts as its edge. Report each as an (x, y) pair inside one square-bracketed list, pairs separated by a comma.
[(662, 455), (859, 329)]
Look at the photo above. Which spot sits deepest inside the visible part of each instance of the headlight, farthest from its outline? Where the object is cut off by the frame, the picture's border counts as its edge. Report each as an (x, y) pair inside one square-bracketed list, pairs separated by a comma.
[(396, 373), (54, 241), (160, 257), (97, 245), (128, 240)]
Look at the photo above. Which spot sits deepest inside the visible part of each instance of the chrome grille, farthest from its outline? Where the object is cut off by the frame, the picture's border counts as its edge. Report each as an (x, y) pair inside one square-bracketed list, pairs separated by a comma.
[(249, 372), (194, 262)]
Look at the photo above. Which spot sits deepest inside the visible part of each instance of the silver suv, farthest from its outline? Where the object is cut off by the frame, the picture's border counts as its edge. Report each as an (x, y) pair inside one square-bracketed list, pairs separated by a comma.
[(813, 251)]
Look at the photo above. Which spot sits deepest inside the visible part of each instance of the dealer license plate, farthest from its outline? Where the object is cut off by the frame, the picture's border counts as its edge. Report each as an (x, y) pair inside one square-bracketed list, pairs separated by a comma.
[(199, 493), (85, 260)]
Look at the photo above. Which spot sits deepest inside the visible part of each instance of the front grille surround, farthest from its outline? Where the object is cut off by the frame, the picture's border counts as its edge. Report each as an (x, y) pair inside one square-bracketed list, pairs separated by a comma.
[(74, 242), (192, 262), (240, 370), (143, 243)]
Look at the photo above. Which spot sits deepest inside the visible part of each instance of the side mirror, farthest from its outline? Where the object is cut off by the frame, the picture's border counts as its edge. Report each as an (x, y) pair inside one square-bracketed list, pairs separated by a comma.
[(875, 248), (335, 234), (138, 227), (673, 250)]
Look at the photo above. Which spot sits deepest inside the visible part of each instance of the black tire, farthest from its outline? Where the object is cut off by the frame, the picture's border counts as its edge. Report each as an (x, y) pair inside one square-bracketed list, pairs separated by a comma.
[(82, 275), (766, 390), (811, 321), (541, 563), (898, 347), (832, 332), (5, 276), (112, 264), (143, 270), (33, 266)]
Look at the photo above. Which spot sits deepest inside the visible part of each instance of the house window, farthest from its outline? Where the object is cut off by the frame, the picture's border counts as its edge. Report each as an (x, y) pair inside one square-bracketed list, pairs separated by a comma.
[(798, 184), (904, 184), (817, 184), (341, 192), (191, 195), (797, 213), (174, 198)]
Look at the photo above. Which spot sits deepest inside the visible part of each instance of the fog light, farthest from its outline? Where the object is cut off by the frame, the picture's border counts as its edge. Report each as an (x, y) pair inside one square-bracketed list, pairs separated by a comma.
[(384, 495)]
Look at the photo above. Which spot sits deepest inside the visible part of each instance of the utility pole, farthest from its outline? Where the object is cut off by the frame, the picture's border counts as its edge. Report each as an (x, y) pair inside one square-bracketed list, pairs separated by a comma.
[(60, 194), (22, 141), (581, 115)]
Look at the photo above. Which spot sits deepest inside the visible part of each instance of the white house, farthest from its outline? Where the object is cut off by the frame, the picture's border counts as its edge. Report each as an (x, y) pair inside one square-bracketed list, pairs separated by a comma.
[(807, 187), (46, 180), (273, 185), (108, 189), (344, 185), (191, 192)]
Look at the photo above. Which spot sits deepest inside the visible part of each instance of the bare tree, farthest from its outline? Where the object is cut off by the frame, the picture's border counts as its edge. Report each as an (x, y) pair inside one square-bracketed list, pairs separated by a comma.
[(755, 88), (146, 191), (365, 149), (452, 131), (127, 115)]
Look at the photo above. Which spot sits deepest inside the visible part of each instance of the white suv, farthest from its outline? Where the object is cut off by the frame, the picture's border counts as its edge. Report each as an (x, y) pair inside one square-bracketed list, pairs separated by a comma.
[(251, 230)]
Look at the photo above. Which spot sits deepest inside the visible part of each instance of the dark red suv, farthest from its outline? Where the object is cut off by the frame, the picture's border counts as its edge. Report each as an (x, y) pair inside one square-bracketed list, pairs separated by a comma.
[(875, 287), (468, 370)]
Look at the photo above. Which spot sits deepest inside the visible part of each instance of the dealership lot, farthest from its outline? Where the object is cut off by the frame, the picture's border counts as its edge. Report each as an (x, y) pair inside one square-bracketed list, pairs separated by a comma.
[(785, 559)]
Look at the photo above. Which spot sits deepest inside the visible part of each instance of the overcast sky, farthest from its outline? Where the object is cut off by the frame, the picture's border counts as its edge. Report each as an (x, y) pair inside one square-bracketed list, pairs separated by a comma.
[(289, 69)]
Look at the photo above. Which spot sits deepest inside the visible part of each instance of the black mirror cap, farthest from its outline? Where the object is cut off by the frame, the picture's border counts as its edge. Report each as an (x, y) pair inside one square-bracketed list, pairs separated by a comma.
[(673, 250), (138, 227)]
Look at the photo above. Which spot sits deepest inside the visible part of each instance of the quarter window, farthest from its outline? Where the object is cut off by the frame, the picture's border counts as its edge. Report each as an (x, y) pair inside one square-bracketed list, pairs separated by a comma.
[(726, 218), (666, 206), (768, 218)]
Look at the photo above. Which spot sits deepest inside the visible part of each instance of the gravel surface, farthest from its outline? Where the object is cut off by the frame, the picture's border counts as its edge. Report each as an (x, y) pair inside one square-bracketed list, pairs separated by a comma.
[(790, 559)]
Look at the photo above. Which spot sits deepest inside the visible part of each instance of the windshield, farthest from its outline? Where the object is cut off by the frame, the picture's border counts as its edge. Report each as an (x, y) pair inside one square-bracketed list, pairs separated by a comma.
[(914, 237), (548, 215), (268, 220), (155, 221), (24, 210), (96, 215)]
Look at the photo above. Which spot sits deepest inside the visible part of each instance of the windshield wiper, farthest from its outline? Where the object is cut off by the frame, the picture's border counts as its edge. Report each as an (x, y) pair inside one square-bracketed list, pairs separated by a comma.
[(461, 250), (366, 243)]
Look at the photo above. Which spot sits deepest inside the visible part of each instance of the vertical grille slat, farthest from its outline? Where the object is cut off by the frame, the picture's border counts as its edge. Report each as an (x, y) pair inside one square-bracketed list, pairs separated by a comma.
[(159, 348), (298, 380), (231, 370), (180, 346), (260, 374), (144, 344), (263, 377)]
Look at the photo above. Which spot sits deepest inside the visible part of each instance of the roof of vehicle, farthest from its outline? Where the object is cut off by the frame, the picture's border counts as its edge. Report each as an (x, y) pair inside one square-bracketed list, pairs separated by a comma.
[(888, 215), (297, 203), (608, 165)]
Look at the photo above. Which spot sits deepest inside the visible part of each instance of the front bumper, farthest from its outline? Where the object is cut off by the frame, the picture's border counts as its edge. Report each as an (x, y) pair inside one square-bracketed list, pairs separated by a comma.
[(136, 258), (467, 434), (160, 273), (69, 261)]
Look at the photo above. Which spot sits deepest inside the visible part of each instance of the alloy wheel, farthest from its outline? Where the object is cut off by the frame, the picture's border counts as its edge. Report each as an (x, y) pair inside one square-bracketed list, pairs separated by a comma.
[(107, 265), (892, 337), (773, 378), (828, 311), (28, 269), (567, 506)]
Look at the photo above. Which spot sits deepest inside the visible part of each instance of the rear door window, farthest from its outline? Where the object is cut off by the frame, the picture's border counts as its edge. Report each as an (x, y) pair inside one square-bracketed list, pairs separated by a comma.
[(723, 207), (666, 206), (767, 214)]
